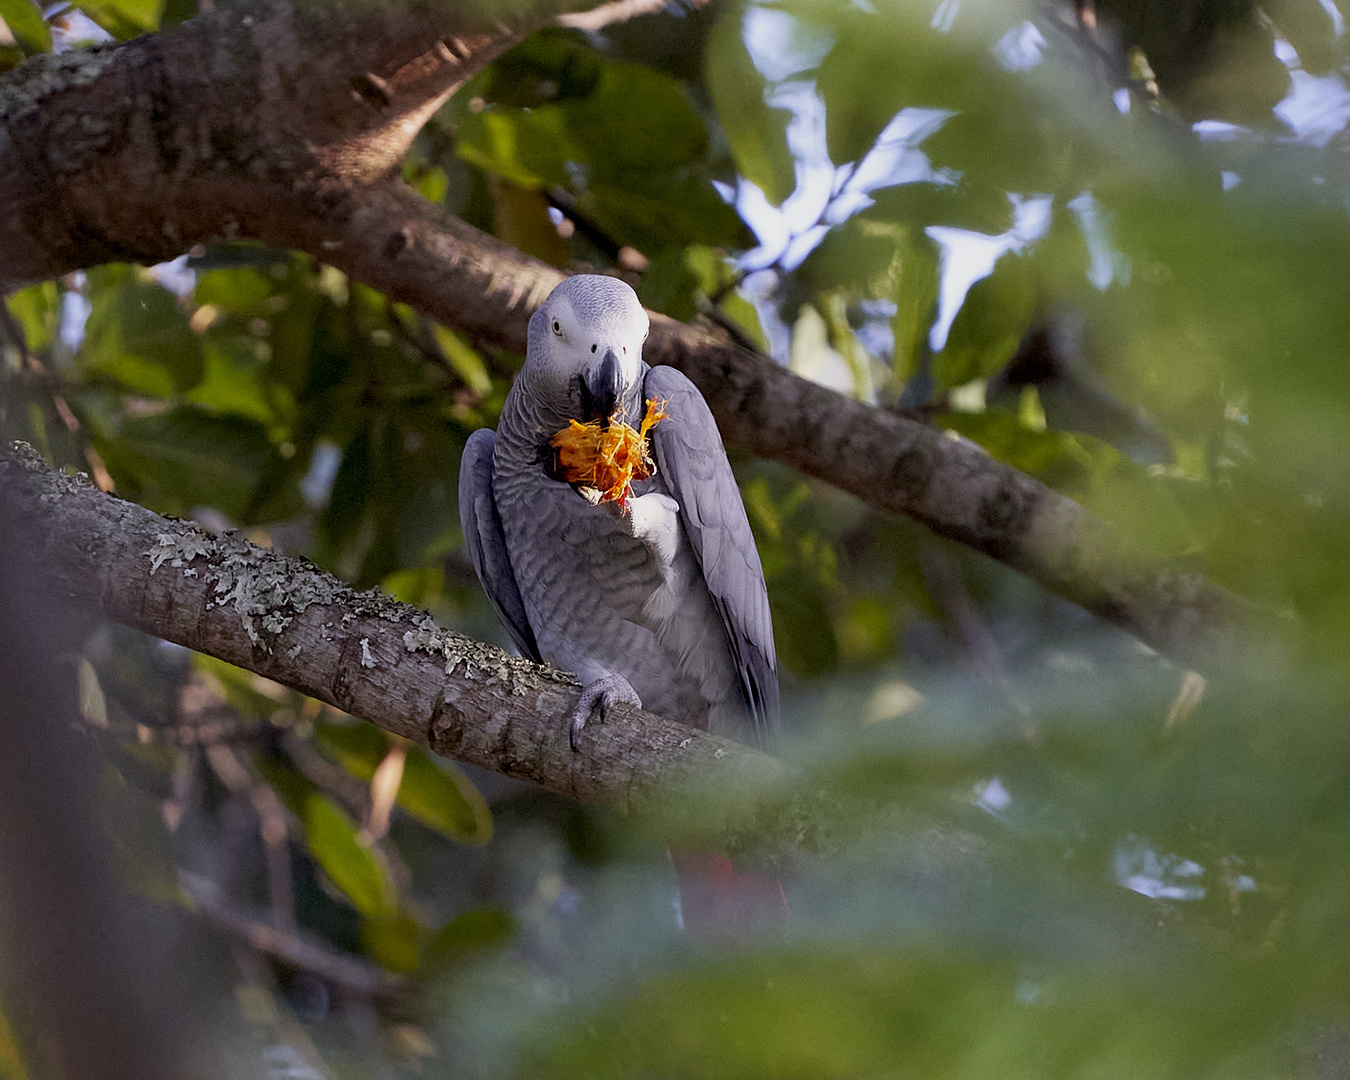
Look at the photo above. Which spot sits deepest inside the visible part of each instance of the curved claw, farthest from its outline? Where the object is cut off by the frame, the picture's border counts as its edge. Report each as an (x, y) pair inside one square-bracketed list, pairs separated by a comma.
[(604, 693)]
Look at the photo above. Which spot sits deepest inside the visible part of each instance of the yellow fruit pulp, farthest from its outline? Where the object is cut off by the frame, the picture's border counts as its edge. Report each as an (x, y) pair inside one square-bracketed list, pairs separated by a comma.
[(608, 458)]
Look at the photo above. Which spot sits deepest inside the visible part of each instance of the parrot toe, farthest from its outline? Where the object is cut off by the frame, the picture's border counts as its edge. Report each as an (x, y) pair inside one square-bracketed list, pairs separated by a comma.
[(604, 693)]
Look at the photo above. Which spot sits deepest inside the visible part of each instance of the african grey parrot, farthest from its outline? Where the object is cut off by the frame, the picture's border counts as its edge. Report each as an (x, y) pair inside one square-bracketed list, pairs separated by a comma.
[(659, 604)]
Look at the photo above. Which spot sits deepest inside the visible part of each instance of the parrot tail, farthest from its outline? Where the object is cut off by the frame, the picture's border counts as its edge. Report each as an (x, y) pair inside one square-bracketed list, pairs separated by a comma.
[(720, 903)]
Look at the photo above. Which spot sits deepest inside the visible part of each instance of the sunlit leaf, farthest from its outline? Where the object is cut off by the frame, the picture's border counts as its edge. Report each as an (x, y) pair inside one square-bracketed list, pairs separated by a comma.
[(37, 308), (440, 797), (527, 148), (124, 18)]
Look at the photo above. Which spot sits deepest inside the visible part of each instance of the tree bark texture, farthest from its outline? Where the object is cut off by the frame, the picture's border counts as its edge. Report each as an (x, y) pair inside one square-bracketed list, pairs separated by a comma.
[(364, 653), (286, 123)]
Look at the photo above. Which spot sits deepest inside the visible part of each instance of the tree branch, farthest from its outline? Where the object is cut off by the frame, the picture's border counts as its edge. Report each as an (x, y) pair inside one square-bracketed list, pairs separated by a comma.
[(366, 654), (299, 950), (461, 276), (285, 123), (248, 121)]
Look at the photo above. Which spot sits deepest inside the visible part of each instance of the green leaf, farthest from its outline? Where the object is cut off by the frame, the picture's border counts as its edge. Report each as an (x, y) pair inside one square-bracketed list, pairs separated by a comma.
[(528, 148), (139, 336), (241, 289), (250, 695), (187, 457), (549, 66), (233, 383), (803, 630), (11, 1065), (433, 184), (440, 797), (177, 11), (652, 210), (1064, 461), (990, 324), (346, 858), (38, 309), (444, 799), (463, 358), (26, 23), (124, 18), (393, 940), (637, 119), (915, 306), (465, 936), (672, 281), (133, 827), (756, 133)]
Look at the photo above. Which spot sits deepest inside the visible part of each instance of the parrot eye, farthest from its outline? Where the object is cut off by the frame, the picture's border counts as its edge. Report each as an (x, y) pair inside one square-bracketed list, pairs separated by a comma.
[(594, 347), (557, 327)]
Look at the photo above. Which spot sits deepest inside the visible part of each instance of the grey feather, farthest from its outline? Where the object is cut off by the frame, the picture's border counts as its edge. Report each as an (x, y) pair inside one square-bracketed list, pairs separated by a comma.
[(694, 467), (658, 601), (487, 546)]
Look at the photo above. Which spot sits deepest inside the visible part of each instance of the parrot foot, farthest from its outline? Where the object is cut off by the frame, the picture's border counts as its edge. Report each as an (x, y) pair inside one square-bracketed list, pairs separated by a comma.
[(606, 692)]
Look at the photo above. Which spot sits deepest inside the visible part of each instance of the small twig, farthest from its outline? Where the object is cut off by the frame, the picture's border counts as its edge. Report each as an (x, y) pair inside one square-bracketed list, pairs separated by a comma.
[(942, 571), (566, 204), (608, 14), (273, 827), (418, 340), (322, 773), (297, 949), (723, 291), (217, 726), (12, 329), (53, 385)]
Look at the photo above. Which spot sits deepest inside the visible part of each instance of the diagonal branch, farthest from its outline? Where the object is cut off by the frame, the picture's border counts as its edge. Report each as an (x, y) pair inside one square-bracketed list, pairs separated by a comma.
[(367, 654), (416, 252), (286, 122)]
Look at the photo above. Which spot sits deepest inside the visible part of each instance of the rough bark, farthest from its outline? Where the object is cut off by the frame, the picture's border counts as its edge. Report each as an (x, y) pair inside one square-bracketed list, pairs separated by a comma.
[(286, 123), (364, 653), (257, 120)]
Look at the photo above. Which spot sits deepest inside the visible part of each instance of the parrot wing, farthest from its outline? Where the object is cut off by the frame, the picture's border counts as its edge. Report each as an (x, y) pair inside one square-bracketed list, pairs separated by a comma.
[(483, 536), (694, 467)]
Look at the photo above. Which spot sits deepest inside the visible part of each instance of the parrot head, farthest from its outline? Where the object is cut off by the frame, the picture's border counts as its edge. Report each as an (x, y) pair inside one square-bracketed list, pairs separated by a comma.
[(584, 355)]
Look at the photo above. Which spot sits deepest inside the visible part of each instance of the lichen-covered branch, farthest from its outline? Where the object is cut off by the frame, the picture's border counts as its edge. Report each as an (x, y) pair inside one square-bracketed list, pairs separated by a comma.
[(416, 252), (285, 123), (363, 652)]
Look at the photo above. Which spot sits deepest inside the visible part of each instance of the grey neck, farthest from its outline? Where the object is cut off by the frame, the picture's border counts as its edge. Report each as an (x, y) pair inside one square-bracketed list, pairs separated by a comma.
[(523, 430)]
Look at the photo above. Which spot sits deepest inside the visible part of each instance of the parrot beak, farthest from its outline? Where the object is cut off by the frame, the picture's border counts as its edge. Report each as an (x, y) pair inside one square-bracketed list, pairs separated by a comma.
[(602, 388)]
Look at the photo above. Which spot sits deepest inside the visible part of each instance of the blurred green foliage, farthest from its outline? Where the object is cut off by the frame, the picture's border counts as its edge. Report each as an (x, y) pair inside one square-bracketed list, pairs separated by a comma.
[(1051, 852)]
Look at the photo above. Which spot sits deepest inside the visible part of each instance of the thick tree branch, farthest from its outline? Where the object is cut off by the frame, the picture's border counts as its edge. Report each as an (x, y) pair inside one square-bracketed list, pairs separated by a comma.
[(285, 123), (416, 252), (381, 660), (247, 121)]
